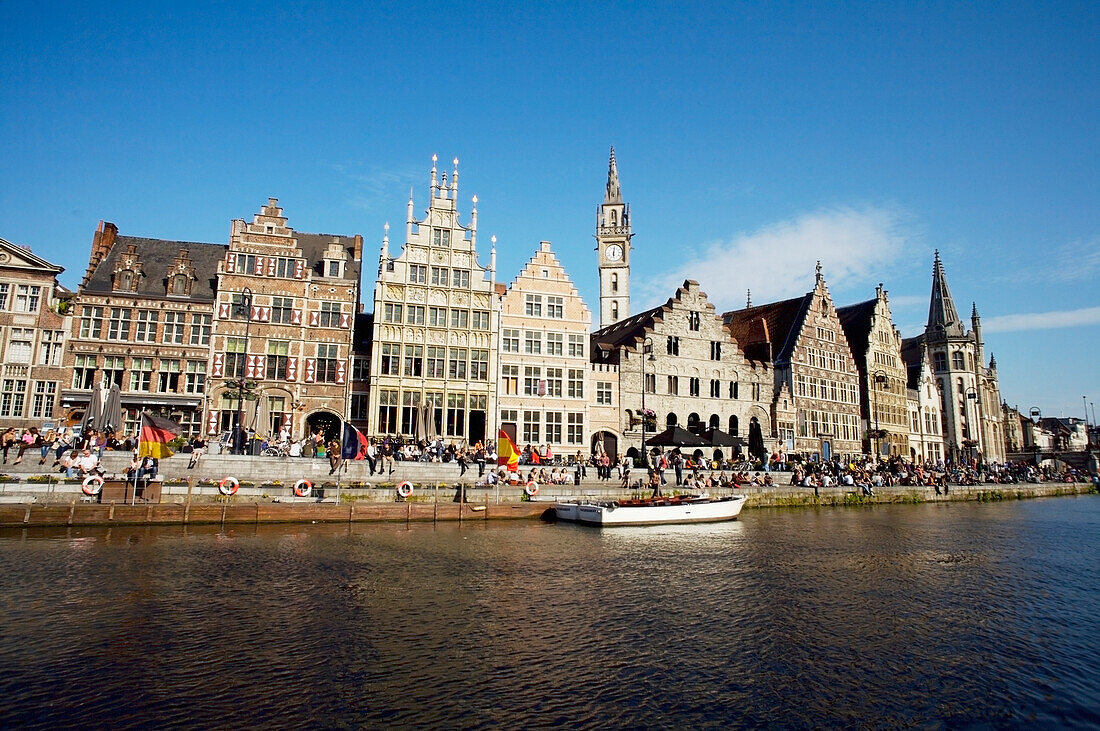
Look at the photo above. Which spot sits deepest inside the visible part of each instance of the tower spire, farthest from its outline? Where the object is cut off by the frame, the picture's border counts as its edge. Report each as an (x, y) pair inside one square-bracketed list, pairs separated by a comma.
[(614, 194), (942, 314)]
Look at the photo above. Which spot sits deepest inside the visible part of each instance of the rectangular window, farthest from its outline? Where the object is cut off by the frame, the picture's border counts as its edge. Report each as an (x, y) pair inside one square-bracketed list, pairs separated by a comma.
[(532, 342), (5, 290), (237, 310), (554, 382), (284, 267), (553, 427), (441, 237), (672, 345), (440, 276), (415, 315), (173, 328), (673, 385), (575, 427), (20, 345), (456, 364), (281, 309), (114, 368), (531, 377), (479, 365), (414, 360), (168, 378), (246, 264), (45, 394), (693, 386), (13, 397), (418, 273), (715, 388), (533, 305), (84, 372), (437, 316), (328, 357), (603, 393), (436, 358), (91, 322), (509, 416), (26, 299), (555, 307), (715, 350), (531, 427), (390, 361), (141, 374), (460, 278), (360, 406), (456, 414), (118, 327), (387, 412), (479, 319), (360, 369), (392, 312), (278, 357), (234, 357), (693, 321), (576, 346), (510, 379), (200, 329), (509, 342), (554, 343), (733, 390), (576, 383), (650, 383), (410, 401), (145, 327), (196, 376), (460, 319), (330, 314), (51, 348)]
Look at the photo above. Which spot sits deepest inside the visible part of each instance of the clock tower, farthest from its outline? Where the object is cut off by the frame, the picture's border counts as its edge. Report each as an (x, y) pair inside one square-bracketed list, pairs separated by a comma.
[(613, 249)]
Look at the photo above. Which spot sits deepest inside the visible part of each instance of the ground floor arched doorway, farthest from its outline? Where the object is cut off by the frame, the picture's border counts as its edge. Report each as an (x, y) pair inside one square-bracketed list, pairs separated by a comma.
[(326, 422), (606, 441)]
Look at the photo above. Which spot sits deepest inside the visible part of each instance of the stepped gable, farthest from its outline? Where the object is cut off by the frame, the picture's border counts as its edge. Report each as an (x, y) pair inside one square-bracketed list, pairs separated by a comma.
[(769, 332), (856, 321), (154, 258), (630, 332)]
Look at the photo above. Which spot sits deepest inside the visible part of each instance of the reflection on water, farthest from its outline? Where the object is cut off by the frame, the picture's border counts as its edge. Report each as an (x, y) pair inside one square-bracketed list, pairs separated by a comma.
[(949, 614)]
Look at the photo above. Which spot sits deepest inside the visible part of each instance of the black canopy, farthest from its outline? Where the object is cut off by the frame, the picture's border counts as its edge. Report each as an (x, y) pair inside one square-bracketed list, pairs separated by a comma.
[(719, 438), (676, 436)]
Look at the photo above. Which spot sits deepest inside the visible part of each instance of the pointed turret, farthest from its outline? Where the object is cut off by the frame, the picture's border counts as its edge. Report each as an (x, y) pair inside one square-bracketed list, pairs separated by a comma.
[(943, 318), (976, 328), (614, 194)]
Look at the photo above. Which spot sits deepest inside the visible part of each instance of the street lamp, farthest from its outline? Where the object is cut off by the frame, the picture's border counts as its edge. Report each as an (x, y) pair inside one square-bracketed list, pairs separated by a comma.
[(971, 395), (244, 307), (647, 348), (1036, 415), (876, 378)]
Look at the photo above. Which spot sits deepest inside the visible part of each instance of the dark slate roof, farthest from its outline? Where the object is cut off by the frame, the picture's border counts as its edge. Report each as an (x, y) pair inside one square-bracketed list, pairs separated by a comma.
[(605, 343), (157, 256), (769, 332), (364, 331), (313, 249), (856, 321)]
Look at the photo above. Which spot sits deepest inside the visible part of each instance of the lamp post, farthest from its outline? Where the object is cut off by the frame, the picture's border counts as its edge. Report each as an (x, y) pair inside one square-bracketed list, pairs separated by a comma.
[(647, 355), (1036, 415), (244, 307), (876, 378), (971, 395)]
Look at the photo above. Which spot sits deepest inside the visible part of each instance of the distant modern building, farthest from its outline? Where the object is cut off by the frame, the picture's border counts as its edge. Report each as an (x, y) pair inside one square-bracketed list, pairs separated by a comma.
[(807, 349), (876, 349), (435, 327), (543, 384), (33, 325), (286, 304), (142, 319)]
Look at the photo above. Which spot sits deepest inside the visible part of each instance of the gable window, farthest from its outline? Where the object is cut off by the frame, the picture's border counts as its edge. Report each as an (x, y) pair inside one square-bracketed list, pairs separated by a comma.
[(533, 305), (693, 321), (180, 284), (672, 345)]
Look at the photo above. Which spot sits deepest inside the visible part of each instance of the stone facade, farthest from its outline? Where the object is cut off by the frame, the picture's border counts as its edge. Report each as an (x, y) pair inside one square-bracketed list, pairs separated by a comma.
[(876, 348), (923, 404), (286, 303), (543, 388), (803, 340), (613, 235), (435, 327), (33, 327), (697, 377), (142, 319)]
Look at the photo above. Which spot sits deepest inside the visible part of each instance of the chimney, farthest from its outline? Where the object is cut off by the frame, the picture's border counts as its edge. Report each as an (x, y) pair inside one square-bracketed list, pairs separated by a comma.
[(102, 242)]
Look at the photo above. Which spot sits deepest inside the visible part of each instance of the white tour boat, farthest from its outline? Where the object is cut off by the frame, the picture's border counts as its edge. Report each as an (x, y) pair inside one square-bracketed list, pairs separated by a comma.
[(652, 511)]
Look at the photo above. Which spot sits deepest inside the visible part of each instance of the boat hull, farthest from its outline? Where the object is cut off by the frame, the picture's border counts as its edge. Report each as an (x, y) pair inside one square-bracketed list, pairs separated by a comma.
[(652, 513)]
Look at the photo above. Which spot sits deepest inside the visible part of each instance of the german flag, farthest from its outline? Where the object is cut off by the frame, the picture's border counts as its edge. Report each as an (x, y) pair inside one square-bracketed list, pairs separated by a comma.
[(156, 432), (507, 452)]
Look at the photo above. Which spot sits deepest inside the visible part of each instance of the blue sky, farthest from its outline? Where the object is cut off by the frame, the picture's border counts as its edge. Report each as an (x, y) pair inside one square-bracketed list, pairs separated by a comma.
[(751, 139)]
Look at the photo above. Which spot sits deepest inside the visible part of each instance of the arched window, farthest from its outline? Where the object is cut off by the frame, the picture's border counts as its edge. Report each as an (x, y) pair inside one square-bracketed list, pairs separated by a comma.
[(614, 217), (614, 282), (614, 311), (693, 423), (715, 421), (671, 420), (733, 425)]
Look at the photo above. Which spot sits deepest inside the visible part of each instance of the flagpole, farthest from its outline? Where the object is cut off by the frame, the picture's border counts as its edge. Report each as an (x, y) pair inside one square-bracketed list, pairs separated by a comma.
[(141, 425), (341, 456)]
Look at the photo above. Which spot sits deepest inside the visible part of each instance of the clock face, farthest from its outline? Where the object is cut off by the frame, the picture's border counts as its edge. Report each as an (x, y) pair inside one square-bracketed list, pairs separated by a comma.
[(614, 252)]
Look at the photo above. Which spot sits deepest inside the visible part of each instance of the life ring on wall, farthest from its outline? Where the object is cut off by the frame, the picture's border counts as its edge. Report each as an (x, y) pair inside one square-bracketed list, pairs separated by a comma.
[(405, 489), (303, 487), (531, 488), (92, 485), (229, 486)]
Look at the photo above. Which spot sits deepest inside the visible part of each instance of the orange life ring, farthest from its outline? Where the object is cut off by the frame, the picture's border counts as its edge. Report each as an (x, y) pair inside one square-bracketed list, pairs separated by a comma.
[(303, 487), (229, 486), (531, 488), (405, 489), (92, 485)]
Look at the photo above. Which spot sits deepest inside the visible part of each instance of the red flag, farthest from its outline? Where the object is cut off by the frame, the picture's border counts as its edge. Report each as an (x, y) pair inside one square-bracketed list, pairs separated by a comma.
[(507, 453)]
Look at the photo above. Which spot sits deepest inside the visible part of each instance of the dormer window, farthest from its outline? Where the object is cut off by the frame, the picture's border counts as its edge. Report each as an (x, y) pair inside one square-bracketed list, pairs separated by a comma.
[(180, 284), (334, 268), (125, 281)]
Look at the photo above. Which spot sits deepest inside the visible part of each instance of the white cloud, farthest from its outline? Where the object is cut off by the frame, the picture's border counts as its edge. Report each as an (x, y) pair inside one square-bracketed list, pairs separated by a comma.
[(777, 262), (1042, 320)]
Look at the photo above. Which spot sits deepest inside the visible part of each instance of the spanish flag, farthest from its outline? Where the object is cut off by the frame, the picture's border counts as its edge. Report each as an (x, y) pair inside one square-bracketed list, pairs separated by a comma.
[(155, 435), (507, 453)]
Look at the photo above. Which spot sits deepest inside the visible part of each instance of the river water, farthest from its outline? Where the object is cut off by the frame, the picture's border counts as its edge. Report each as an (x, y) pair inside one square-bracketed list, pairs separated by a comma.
[(936, 615)]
